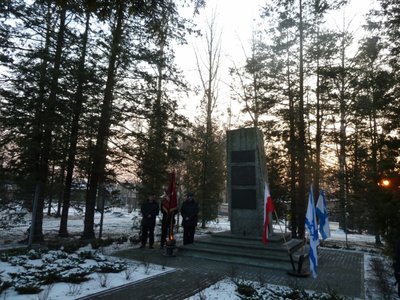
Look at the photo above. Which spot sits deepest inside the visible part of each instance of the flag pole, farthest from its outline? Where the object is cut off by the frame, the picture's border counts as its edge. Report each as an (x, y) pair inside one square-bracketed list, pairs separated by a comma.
[(171, 192), (287, 246), (283, 234), (171, 227)]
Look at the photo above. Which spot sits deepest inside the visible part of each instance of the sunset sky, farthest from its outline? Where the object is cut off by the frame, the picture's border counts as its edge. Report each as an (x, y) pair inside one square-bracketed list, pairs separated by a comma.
[(236, 20)]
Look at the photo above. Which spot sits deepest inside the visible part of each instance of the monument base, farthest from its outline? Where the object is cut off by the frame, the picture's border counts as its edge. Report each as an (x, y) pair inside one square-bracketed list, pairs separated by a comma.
[(237, 249)]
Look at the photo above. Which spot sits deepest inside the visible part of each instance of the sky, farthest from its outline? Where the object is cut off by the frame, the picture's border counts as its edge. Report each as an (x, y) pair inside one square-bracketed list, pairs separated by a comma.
[(236, 20)]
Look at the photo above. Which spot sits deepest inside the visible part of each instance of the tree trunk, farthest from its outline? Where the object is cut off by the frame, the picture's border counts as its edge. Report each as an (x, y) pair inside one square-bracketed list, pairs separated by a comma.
[(318, 134), (50, 196), (292, 153), (77, 110), (42, 174), (342, 141), (100, 151), (302, 153), (209, 85), (37, 128), (62, 183)]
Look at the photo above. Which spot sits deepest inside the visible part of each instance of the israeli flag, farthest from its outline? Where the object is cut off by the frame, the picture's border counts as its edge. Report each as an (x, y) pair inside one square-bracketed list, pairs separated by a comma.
[(311, 226), (322, 214)]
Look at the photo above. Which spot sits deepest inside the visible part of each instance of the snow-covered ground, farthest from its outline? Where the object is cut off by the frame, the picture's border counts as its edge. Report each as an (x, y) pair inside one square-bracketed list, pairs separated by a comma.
[(116, 222), (119, 222), (227, 289), (73, 266)]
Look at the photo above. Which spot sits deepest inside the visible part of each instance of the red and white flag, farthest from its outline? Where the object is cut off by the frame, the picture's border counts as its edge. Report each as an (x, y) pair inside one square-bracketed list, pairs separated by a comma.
[(268, 208), (171, 206), (171, 192)]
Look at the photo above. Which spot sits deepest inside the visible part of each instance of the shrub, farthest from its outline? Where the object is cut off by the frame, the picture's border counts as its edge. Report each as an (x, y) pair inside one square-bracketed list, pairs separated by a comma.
[(33, 254), (86, 255), (246, 290), (75, 278), (109, 267), (4, 285), (29, 288), (72, 246), (50, 277)]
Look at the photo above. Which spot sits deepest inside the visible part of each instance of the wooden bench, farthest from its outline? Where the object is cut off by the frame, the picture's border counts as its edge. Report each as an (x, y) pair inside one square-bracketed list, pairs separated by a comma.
[(298, 254)]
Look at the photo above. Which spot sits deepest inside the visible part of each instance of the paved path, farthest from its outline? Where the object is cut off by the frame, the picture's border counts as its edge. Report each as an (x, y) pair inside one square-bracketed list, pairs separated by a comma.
[(338, 270)]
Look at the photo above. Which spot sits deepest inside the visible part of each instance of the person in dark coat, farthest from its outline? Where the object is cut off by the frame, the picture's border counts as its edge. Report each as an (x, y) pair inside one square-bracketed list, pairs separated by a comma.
[(149, 212), (396, 264), (168, 216), (189, 212)]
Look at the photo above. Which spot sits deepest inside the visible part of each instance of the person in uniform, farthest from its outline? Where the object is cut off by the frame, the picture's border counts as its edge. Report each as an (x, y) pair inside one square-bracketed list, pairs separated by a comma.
[(189, 212), (396, 264), (149, 212)]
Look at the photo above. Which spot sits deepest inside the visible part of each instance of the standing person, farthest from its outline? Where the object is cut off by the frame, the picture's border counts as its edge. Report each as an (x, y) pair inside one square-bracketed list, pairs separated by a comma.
[(396, 264), (189, 212), (149, 212), (168, 219)]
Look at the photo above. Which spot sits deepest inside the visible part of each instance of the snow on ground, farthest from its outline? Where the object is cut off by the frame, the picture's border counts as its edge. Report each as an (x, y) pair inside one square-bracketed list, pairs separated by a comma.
[(117, 222), (97, 281), (120, 222), (226, 289)]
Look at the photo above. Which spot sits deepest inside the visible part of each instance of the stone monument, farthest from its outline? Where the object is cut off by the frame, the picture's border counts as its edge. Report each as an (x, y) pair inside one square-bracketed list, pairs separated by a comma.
[(245, 183)]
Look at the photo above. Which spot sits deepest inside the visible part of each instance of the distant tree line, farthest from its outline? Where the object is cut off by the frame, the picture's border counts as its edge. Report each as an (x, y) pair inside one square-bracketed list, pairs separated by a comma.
[(330, 115), (90, 90)]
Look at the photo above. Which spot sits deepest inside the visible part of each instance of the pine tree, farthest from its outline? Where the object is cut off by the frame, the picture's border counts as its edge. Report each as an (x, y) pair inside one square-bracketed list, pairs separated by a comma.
[(76, 116), (159, 149), (209, 198), (97, 176), (34, 90)]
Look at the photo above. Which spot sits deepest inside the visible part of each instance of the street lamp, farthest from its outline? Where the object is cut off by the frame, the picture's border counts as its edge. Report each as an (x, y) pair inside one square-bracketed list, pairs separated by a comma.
[(392, 183), (385, 183)]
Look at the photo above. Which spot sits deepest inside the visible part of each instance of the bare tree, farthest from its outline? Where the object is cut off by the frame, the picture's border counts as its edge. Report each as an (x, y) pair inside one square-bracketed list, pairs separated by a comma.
[(208, 68)]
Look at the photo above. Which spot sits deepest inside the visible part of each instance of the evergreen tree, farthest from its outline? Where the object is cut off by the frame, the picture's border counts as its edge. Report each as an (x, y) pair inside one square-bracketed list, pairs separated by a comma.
[(208, 190), (117, 13), (33, 93), (159, 144), (373, 99), (74, 131)]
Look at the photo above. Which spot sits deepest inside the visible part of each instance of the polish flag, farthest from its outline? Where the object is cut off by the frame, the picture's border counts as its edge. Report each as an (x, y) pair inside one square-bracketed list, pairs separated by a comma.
[(268, 208)]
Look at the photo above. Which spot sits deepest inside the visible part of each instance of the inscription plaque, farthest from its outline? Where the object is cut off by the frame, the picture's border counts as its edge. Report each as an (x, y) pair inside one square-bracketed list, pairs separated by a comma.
[(243, 175), (243, 156), (244, 199)]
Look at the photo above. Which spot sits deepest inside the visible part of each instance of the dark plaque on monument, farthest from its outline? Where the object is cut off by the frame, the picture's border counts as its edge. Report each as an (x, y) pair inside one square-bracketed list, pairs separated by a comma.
[(244, 199), (243, 156), (243, 175)]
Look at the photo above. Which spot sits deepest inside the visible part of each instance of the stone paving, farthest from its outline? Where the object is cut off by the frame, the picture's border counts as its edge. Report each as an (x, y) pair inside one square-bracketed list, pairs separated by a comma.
[(338, 270)]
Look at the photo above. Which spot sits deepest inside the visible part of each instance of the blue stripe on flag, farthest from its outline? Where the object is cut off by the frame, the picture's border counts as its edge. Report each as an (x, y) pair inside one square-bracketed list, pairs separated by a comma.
[(311, 225), (322, 213)]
